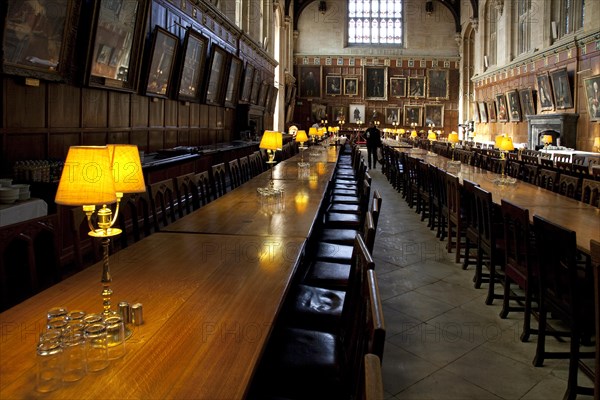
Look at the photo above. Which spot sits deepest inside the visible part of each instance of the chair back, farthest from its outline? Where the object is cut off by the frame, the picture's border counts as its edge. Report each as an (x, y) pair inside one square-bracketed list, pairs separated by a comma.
[(569, 186), (376, 207), (590, 192), (203, 193), (219, 180), (513, 169), (372, 382), (561, 157), (163, 201), (529, 173), (547, 179), (235, 174), (518, 249), (453, 195), (546, 163), (184, 187), (245, 173), (484, 219), (135, 218)]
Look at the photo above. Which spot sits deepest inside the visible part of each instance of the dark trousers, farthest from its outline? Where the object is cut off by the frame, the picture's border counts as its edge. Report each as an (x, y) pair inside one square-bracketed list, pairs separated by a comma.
[(372, 155)]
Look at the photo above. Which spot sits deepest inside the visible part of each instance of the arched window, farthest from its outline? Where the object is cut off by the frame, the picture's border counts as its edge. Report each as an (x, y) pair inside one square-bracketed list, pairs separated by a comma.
[(492, 37), (524, 15), (375, 22), (570, 16)]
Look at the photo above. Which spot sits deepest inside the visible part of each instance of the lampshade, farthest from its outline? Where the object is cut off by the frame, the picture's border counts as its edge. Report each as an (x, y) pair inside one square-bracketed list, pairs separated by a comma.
[(312, 131), (453, 137), (597, 143), (507, 144), (271, 140), (402, 131), (127, 169), (498, 141), (547, 139), (321, 131), (301, 136), (87, 178), (431, 135), (413, 134)]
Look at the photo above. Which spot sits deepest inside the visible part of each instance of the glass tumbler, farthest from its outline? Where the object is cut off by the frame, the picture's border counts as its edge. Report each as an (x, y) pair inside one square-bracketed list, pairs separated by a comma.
[(96, 347), (57, 312), (49, 364), (115, 330), (74, 357)]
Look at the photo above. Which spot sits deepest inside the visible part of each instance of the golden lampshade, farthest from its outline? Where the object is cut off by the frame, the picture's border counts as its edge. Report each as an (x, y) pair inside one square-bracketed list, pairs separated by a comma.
[(271, 140), (507, 144), (413, 134), (127, 168), (312, 131), (86, 178), (453, 137), (498, 141), (401, 131), (321, 131), (596, 144), (547, 139), (301, 136), (431, 136)]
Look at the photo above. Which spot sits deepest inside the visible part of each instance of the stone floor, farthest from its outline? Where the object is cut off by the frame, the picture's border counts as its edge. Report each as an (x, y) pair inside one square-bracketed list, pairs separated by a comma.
[(443, 342)]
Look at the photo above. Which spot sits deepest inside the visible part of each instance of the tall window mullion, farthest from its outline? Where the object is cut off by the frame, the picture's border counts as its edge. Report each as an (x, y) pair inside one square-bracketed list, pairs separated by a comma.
[(375, 21)]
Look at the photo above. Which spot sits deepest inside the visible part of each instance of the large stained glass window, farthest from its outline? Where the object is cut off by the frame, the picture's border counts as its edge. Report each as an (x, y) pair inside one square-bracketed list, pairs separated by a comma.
[(375, 22)]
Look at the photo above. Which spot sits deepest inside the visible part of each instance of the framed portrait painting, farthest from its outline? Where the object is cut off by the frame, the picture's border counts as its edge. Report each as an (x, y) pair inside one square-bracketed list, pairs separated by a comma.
[(338, 114), (162, 62), (117, 27), (545, 92), (416, 87), (413, 115), (475, 112), (501, 107), (256, 84), (191, 70), (233, 82), (592, 95), (350, 86), (375, 83), (247, 83), (561, 89), (318, 112), (526, 100), (392, 116), (437, 84), (514, 108), (483, 114), (216, 75), (357, 113), (333, 85), (491, 106), (397, 87), (434, 115), (310, 81), (262, 93)]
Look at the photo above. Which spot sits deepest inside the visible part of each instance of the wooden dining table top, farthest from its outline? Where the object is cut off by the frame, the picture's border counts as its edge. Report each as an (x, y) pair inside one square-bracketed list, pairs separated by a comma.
[(209, 304), (243, 211), (572, 214)]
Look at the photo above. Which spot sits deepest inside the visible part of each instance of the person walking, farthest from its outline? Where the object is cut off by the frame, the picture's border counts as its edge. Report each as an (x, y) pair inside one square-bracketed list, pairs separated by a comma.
[(373, 137)]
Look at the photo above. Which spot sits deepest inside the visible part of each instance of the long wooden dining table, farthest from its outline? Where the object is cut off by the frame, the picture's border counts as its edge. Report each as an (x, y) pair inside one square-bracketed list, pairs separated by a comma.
[(210, 293), (572, 214)]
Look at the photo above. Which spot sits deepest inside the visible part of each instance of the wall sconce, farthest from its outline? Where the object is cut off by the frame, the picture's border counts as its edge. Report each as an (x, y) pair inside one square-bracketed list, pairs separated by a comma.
[(429, 7), (322, 7)]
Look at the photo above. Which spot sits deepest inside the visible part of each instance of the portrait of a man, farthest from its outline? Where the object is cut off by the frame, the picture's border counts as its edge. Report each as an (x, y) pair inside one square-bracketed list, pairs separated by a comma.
[(437, 80), (310, 82), (544, 92), (562, 89), (592, 95), (375, 79), (416, 87)]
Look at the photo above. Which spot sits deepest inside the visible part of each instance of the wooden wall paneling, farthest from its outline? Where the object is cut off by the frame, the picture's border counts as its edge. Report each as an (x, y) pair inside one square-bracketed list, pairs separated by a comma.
[(118, 137), (183, 114), (156, 111), (139, 111), (25, 105), (194, 137), (139, 138), (119, 110), (155, 141), (194, 115), (170, 139), (158, 15), (171, 113), (94, 108), (25, 146), (183, 138), (64, 106), (204, 116), (94, 139), (59, 143)]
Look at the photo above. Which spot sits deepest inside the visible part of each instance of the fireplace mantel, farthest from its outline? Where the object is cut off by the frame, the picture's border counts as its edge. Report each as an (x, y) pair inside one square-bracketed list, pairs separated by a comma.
[(564, 124)]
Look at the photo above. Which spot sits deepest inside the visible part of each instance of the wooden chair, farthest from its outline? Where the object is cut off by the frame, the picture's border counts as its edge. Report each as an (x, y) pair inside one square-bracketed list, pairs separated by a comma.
[(455, 222), (561, 157), (184, 187), (235, 174), (469, 217), (513, 169), (578, 159), (219, 180), (569, 186), (331, 362), (372, 379), (546, 163), (257, 164), (164, 203), (29, 259), (590, 192), (86, 249), (529, 173), (567, 293), (135, 218), (595, 259), (203, 193), (563, 167), (519, 265), (530, 159), (245, 173), (547, 179)]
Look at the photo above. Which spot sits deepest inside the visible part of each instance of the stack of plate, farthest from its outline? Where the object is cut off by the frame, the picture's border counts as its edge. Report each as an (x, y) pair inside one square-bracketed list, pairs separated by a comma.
[(5, 182), (8, 195), (24, 193)]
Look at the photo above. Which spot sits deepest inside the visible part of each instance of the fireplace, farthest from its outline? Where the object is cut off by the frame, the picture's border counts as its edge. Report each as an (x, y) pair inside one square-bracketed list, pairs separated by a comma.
[(565, 126)]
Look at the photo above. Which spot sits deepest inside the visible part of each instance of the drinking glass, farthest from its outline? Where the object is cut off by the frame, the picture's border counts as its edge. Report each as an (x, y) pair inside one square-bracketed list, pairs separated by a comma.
[(96, 347), (74, 357), (115, 330), (49, 363)]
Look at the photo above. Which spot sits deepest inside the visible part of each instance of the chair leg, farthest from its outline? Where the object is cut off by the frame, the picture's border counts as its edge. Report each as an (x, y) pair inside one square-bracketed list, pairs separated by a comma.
[(506, 299), (478, 278), (491, 285), (540, 350), (571, 392), (527, 317)]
